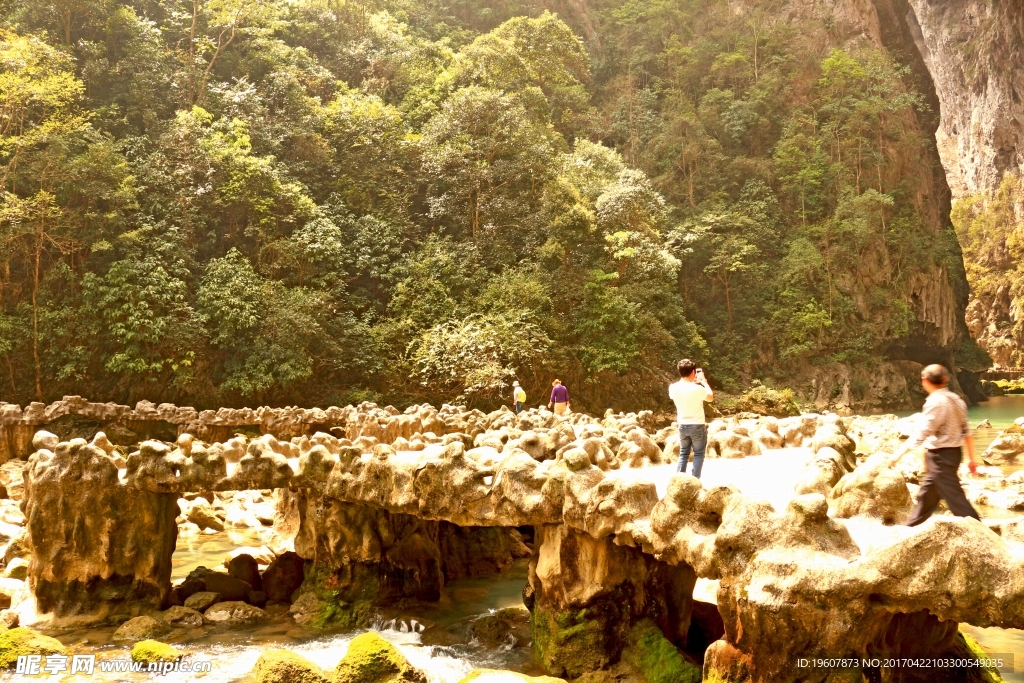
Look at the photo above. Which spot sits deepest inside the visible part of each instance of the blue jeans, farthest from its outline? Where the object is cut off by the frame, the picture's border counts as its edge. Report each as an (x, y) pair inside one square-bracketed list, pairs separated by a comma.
[(695, 437)]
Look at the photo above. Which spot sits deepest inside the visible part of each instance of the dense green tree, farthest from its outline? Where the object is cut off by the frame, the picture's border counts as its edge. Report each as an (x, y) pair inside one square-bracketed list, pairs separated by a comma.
[(232, 201)]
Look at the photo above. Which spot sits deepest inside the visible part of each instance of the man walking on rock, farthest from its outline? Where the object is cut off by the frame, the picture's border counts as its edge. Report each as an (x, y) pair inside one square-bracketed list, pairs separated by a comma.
[(689, 394), (943, 431)]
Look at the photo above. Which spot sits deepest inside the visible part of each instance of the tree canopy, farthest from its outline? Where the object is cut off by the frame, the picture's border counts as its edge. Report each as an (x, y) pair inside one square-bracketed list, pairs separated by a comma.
[(231, 201)]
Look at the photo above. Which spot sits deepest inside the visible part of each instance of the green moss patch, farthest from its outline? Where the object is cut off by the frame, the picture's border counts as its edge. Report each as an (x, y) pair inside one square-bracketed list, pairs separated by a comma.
[(285, 666), (657, 659), (154, 651), (25, 641), (570, 643), (371, 659)]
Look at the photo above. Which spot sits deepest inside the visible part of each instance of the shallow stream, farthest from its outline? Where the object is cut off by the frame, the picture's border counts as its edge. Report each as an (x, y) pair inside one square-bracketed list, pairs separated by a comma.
[(435, 637)]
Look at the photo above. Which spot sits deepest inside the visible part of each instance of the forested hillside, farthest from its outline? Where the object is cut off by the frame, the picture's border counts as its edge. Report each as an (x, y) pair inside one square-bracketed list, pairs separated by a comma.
[(314, 202)]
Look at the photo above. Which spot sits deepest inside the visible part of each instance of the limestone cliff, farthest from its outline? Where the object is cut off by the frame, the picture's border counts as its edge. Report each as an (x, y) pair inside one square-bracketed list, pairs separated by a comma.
[(974, 51)]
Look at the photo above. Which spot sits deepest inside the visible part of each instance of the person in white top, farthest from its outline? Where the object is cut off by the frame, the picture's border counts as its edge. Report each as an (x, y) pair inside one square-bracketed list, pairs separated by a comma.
[(689, 395)]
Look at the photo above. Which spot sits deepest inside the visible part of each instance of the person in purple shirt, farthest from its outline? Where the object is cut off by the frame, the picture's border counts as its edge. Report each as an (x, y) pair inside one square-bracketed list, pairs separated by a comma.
[(559, 398)]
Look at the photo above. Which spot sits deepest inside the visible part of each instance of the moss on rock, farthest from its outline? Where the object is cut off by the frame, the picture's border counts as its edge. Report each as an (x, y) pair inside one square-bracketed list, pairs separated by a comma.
[(285, 666), (502, 676), (650, 652), (154, 651), (25, 641), (968, 648), (570, 642), (371, 659)]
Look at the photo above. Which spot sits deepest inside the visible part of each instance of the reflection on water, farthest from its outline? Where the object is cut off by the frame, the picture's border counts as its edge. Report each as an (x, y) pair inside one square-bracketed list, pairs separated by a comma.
[(1001, 411)]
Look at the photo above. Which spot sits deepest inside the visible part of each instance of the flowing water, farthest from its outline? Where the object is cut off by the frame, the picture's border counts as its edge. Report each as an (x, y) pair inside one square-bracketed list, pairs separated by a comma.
[(435, 637)]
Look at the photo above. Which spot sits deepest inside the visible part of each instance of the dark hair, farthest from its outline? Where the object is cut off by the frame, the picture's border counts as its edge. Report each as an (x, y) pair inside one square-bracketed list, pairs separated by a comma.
[(936, 374), (686, 367)]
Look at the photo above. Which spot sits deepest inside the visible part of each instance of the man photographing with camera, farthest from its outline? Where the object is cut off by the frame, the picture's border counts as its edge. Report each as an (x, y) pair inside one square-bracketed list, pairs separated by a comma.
[(689, 395)]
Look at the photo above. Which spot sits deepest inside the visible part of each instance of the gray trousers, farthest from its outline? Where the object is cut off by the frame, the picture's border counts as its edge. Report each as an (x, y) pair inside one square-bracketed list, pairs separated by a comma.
[(941, 481)]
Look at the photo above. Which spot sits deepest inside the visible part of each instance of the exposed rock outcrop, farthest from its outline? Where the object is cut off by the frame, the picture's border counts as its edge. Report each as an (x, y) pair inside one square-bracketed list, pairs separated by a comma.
[(610, 552), (109, 547)]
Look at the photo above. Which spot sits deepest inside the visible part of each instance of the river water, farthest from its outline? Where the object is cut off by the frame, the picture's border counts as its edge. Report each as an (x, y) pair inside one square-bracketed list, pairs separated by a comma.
[(436, 637)]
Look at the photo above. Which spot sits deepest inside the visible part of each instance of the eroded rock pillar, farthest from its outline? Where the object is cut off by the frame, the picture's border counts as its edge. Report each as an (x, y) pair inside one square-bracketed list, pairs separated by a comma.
[(585, 596), (362, 557), (97, 546)]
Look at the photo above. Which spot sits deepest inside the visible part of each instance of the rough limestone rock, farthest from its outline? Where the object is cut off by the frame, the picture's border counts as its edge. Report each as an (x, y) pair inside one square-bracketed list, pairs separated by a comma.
[(23, 641), (734, 443), (371, 659), (283, 577), (17, 568), (821, 474), (202, 601), (113, 541), (1005, 449), (234, 613), (154, 651), (586, 594), (177, 615), (376, 527), (245, 568), (285, 666), (140, 628), (875, 490)]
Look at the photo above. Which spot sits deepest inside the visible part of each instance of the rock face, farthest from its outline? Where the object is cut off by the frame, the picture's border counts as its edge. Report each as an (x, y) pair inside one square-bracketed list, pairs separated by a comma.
[(587, 594), (110, 540), (974, 50), (974, 56)]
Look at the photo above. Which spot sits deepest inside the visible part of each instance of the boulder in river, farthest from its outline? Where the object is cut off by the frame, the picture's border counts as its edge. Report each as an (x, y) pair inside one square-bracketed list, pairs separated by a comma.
[(371, 659), (285, 666), (182, 616), (245, 568), (202, 601), (234, 613), (283, 577), (229, 587), (24, 641), (1006, 448), (140, 628), (154, 651)]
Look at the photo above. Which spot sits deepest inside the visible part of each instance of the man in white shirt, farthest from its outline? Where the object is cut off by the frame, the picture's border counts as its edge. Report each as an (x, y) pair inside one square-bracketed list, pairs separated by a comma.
[(689, 395)]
